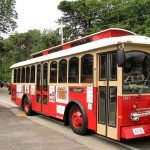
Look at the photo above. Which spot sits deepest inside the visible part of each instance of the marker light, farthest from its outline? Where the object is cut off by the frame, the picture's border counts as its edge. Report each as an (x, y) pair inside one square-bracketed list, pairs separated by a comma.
[(134, 106)]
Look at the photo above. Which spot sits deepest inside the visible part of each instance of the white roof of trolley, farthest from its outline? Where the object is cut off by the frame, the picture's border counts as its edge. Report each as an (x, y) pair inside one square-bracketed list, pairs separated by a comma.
[(135, 39)]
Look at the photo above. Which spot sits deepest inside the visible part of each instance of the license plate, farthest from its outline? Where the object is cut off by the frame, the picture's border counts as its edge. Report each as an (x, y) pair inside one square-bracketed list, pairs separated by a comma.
[(138, 131)]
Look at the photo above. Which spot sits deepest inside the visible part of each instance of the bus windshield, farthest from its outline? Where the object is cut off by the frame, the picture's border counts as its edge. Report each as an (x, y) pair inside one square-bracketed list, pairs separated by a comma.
[(136, 73)]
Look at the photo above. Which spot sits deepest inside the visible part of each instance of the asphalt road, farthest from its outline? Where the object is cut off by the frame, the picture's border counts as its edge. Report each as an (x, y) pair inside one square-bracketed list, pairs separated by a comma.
[(20, 132)]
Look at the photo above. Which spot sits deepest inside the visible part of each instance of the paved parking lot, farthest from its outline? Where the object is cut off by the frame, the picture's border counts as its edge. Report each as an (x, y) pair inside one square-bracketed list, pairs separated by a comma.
[(20, 133)]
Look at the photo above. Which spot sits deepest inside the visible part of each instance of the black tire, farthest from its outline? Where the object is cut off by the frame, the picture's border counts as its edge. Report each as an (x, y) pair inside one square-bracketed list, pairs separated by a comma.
[(77, 120), (27, 106)]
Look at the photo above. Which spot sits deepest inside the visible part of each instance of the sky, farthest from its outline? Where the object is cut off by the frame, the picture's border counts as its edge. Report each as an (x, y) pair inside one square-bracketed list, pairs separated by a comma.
[(37, 14)]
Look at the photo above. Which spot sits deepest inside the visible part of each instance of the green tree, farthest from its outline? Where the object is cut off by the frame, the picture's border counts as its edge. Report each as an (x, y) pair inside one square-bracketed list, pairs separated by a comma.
[(6, 59), (24, 43), (31, 42), (7, 16), (79, 16), (19, 46), (84, 17), (50, 38)]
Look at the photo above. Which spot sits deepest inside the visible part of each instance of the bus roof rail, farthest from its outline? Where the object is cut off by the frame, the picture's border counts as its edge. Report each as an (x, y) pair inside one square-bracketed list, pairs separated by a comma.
[(108, 33)]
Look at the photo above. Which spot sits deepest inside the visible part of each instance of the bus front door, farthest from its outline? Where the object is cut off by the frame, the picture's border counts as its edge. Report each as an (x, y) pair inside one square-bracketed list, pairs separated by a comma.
[(42, 88), (108, 90)]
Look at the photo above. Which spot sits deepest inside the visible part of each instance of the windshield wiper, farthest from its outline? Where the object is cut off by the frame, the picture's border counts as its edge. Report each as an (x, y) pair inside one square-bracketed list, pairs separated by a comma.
[(141, 89)]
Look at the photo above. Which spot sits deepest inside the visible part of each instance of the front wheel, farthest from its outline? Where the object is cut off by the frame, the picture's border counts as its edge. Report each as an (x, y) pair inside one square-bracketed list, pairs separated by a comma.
[(27, 106), (77, 120)]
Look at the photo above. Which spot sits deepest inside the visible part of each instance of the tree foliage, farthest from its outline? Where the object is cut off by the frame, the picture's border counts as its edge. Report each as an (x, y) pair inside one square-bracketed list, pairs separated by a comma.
[(80, 17), (83, 17), (7, 16), (19, 46)]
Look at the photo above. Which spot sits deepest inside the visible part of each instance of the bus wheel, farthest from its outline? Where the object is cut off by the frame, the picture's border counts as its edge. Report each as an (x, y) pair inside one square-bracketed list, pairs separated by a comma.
[(27, 106), (77, 120)]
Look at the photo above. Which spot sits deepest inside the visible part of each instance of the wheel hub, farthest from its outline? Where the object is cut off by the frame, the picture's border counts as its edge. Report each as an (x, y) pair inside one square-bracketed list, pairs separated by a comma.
[(77, 119)]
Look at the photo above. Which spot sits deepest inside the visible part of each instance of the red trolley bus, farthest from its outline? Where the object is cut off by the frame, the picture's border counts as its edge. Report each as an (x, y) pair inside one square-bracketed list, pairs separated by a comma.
[(100, 82)]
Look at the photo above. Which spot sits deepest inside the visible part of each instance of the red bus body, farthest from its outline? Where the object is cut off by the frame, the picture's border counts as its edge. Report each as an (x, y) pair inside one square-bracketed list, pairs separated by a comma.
[(58, 108)]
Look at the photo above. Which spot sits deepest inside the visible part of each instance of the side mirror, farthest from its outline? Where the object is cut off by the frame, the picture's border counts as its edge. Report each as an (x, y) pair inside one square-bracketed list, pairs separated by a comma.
[(120, 55), (120, 58)]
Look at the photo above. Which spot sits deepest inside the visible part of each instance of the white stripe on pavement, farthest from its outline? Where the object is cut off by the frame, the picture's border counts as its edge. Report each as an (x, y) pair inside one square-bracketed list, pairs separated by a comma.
[(8, 103)]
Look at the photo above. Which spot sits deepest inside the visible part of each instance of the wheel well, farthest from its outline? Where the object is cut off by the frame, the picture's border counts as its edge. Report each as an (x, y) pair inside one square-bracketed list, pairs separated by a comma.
[(67, 109)]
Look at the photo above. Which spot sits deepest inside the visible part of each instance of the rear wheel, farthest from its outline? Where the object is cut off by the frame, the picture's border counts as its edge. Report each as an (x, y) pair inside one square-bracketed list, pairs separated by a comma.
[(77, 120), (27, 106)]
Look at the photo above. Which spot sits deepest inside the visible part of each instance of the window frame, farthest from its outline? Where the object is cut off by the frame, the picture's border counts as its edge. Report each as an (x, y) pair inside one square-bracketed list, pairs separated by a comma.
[(125, 93), (15, 75), (110, 65), (45, 86), (66, 71), (23, 77), (31, 80), (69, 62), (106, 55), (89, 76), (50, 73), (27, 80)]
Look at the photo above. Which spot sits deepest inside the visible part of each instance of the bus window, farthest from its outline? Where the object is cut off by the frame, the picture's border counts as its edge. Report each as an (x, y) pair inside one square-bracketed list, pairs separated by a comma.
[(136, 73), (15, 75), (18, 76), (113, 66), (45, 73), (73, 70), (87, 69), (23, 75), (63, 71), (53, 72), (102, 105), (32, 79), (112, 105), (27, 74), (103, 67), (38, 77)]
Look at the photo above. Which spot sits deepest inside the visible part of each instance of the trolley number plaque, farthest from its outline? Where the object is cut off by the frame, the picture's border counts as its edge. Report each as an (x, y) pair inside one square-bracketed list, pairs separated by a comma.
[(138, 131)]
